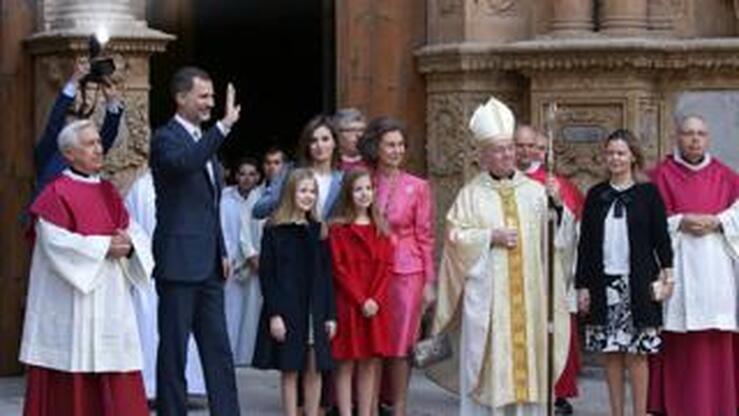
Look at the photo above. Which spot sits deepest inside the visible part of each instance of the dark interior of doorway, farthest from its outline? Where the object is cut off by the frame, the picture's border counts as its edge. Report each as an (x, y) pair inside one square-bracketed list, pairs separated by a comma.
[(278, 53)]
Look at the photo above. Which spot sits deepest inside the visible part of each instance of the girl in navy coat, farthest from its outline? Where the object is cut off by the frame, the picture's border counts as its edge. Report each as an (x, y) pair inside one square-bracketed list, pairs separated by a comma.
[(298, 318)]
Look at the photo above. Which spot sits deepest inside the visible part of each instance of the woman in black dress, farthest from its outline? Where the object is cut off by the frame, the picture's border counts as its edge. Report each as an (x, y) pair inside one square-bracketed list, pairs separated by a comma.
[(624, 249)]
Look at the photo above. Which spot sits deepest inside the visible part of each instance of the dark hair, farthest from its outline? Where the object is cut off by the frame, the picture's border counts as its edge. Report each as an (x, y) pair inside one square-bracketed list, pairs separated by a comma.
[(369, 143), (306, 138), (184, 78), (629, 138), (247, 160), (274, 150), (345, 211)]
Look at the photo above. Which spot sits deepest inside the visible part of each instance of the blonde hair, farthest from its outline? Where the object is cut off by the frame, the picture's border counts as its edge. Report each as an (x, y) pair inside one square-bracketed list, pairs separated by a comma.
[(346, 211), (287, 210)]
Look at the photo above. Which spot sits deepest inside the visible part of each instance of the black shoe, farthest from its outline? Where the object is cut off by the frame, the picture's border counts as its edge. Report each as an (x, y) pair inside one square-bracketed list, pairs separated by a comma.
[(333, 411), (385, 410), (562, 407)]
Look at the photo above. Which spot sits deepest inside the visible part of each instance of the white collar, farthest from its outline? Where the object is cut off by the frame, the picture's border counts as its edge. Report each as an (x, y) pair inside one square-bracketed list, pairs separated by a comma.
[(189, 127), (679, 159), (533, 167), (87, 179)]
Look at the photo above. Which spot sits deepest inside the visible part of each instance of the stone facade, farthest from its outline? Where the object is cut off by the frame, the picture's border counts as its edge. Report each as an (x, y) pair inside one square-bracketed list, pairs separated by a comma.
[(632, 64)]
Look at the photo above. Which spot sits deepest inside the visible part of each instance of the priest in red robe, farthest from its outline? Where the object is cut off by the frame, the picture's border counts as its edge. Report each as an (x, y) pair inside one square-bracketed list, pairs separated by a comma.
[(568, 201), (695, 372), (80, 340)]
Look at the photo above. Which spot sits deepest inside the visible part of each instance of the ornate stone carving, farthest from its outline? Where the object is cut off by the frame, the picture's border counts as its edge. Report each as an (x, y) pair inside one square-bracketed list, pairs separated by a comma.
[(450, 7), (649, 129), (446, 136), (498, 7), (584, 54), (578, 139)]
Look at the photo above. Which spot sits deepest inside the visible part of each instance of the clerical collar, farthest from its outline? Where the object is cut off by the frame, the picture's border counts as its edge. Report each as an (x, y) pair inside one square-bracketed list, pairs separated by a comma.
[(191, 129), (500, 178), (692, 166), (533, 167), (79, 176)]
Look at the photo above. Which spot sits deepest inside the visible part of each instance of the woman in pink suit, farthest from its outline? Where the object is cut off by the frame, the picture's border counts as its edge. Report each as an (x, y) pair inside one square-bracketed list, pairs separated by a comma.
[(405, 202)]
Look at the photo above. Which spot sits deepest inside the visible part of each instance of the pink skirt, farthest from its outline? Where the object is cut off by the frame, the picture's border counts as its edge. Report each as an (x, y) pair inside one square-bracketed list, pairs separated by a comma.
[(694, 374), (405, 299)]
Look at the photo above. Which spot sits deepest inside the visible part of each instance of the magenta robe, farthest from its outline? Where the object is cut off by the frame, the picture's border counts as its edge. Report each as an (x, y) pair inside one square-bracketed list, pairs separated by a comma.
[(406, 203), (692, 375)]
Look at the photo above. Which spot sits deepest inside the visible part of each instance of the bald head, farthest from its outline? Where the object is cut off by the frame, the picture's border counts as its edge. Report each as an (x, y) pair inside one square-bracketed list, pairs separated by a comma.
[(525, 139), (692, 138)]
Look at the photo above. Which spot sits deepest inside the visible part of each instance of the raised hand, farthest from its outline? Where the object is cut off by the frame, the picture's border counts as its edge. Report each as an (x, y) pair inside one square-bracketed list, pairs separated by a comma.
[(81, 68), (232, 111)]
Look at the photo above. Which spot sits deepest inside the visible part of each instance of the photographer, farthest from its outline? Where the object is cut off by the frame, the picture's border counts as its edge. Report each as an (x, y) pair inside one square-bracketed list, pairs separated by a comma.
[(47, 158)]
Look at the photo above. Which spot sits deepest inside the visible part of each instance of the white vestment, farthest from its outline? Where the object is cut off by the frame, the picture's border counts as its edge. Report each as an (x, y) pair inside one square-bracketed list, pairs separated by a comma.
[(706, 277), (79, 313), (233, 206), (250, 241), (495, 300), (141, 206)]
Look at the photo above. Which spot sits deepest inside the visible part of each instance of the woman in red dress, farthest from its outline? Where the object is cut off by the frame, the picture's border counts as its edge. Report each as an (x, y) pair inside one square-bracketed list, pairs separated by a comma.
[(362, 258)]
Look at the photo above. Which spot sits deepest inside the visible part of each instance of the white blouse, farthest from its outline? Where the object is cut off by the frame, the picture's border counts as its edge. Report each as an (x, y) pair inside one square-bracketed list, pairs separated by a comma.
[(616, 240)]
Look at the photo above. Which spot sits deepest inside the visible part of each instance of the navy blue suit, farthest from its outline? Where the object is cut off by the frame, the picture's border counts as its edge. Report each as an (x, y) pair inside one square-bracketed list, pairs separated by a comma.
[(188, 248), (47, 158)]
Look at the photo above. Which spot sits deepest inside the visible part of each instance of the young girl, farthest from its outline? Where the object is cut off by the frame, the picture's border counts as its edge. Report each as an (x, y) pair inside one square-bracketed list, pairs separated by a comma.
[(298, 317), (362, 259)]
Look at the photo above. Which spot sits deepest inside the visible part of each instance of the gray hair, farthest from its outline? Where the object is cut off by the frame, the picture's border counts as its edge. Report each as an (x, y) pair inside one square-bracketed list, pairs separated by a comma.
[(346, 116), (680, 119), (70, 134)]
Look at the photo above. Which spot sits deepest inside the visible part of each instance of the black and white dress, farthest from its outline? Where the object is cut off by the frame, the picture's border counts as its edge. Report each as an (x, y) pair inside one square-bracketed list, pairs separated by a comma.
[(619, 334)]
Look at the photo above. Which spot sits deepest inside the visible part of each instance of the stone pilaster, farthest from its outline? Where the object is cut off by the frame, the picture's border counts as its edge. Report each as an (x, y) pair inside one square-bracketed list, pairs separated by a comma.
[(572, 17), (63, 37), (623, 17), (498, 21), (660, 15)]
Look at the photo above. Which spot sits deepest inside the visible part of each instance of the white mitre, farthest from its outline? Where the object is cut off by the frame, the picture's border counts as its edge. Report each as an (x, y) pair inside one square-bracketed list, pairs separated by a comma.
[(492, 121)]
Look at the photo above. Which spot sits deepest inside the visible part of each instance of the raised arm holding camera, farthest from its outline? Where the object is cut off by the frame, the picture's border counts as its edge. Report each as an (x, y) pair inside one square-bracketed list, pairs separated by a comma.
[(49, 162)]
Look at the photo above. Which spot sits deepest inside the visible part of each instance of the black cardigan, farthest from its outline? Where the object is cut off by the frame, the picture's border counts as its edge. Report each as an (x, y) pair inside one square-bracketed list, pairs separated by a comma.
[(649, 243), (295, 276)]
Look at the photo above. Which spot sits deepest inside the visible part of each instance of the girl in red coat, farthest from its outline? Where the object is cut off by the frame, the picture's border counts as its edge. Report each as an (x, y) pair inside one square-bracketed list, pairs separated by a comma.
[(362, 258)]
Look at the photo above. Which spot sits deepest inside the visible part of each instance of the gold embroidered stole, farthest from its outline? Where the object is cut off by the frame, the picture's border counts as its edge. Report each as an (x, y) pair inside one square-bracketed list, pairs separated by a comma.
[(517, 311)]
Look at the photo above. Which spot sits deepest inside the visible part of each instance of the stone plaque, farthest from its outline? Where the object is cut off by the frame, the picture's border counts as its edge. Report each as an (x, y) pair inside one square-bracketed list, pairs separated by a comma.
[(584, 133)]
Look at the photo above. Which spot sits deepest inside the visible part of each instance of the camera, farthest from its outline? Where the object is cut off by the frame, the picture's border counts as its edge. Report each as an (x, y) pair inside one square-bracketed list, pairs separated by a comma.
[(100, 66)]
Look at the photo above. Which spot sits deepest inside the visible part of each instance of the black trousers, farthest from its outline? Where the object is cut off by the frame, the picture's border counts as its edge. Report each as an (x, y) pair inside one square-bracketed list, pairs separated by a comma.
[(197, 308)]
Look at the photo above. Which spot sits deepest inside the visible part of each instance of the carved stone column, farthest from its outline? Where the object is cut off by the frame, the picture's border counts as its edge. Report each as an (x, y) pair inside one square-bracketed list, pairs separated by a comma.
[(572, 17), (623, 17), (660, 16), (65, 26)]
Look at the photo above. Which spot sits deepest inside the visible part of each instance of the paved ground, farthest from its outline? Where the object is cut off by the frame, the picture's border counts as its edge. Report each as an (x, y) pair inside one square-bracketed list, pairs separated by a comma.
[(259, 395)]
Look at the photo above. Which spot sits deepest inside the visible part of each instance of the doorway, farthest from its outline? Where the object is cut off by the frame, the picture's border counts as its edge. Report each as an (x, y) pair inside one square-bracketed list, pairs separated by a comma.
[(280, 56)]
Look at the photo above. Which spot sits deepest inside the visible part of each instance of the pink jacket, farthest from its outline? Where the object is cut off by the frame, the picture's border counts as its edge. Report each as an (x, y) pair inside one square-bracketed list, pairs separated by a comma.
[(407, 206)]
